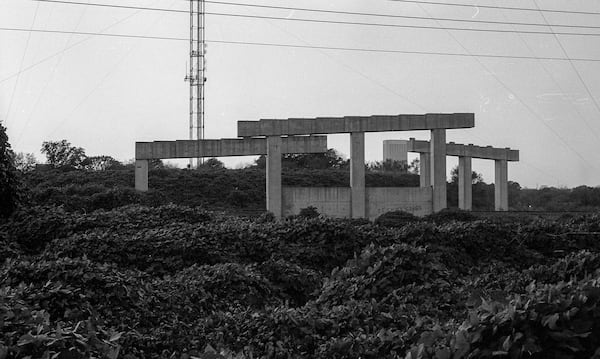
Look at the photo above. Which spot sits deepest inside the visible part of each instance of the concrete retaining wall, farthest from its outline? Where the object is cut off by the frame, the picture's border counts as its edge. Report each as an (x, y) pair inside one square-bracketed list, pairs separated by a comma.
[(415, 200), (336, 201), (330, 201)]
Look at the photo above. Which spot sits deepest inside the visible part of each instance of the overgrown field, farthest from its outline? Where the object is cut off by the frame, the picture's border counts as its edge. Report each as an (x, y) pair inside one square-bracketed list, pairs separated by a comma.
[(237, 191), (172, 281)]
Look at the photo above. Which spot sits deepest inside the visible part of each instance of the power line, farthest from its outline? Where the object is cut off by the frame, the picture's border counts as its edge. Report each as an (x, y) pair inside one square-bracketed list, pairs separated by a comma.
[(12, 96), (500, 7), (339, 22), (587, 89), (100, 33), (556, 83), (324, 11), (50, 78), (348, 67), (107, 75), (114, 6), (391, 51), (529, 108)]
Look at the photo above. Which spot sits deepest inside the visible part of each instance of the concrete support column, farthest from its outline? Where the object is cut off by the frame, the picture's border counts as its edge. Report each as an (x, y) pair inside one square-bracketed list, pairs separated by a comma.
[(424, 170), (357, 174), (501, 186), (465, 183), (438, 168), (141, 175), (274, 175)]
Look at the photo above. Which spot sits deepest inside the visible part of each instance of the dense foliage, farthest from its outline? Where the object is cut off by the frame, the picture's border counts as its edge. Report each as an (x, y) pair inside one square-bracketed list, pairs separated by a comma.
[(239, 191), (106, 184), (9, 178), (173, 282)]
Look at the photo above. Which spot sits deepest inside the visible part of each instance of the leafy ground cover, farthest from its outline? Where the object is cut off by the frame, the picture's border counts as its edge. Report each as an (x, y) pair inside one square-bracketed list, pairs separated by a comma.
[(234, 190), (178, 282)]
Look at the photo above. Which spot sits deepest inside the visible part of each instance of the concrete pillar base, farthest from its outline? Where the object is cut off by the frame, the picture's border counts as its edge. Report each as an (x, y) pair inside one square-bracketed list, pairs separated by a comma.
[(424, 170), (141, 175), (465, 183), (357, 174), (438, 168), (274, 202), (501, 186)]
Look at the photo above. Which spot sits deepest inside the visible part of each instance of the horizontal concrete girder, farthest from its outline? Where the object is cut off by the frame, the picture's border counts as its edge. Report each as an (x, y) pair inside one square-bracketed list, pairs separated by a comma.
[(460, 150), (349, 124), (226, 147)]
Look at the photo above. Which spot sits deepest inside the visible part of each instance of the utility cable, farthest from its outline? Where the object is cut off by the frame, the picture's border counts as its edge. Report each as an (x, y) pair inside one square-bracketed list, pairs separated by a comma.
[(587, 89), (338, 48), (14, 90), (350, 68), (499, 7), (49, 57), (523, 103), (557, 84), (322, 11), (98, 84), (339, 22), (50, 79)]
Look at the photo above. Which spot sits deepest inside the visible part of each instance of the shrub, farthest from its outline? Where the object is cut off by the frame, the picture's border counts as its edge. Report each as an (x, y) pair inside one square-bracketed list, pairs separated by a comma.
[(396, 219), (10, 191), (451, 214), (309, 212)]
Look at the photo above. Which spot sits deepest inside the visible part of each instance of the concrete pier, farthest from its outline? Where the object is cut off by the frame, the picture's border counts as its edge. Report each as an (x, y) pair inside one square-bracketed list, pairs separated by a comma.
[(424, 170), (438, 168), (274, 175), (357, 174), (275, 137), (145, 151), (501, 186), (466, 153), (465, 188), (141, 175)]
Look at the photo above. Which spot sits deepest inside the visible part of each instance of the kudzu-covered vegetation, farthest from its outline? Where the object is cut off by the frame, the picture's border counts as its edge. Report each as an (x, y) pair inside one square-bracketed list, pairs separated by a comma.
[(236, 190), (89, 268), (174, 281)]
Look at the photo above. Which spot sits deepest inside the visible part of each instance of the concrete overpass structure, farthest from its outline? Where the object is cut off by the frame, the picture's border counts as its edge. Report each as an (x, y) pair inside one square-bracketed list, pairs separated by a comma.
[(274, 138), (465, 153), (361, 204), (145, 151)]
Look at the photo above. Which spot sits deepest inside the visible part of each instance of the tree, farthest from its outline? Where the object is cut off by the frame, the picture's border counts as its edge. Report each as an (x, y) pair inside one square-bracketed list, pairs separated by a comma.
[(261, 161), (101, 163), (475, 177), (25, 162), (329, 159), (60, 154), (388, 165), (414, 166), (155, 164), (9, 177), (212, 163)]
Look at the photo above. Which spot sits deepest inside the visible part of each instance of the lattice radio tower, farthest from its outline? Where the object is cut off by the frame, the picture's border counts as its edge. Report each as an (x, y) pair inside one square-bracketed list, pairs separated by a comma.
[(197, 71)]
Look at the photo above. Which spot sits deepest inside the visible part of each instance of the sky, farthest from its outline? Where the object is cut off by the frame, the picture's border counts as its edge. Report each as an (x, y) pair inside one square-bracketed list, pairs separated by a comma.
[(105, 93)]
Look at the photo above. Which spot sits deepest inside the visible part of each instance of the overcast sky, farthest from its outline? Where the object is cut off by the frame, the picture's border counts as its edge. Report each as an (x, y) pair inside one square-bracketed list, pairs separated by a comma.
[(104, 93)]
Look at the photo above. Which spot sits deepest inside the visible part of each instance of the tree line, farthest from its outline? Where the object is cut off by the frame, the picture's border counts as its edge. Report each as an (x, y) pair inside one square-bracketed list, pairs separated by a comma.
[(69, 171)]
